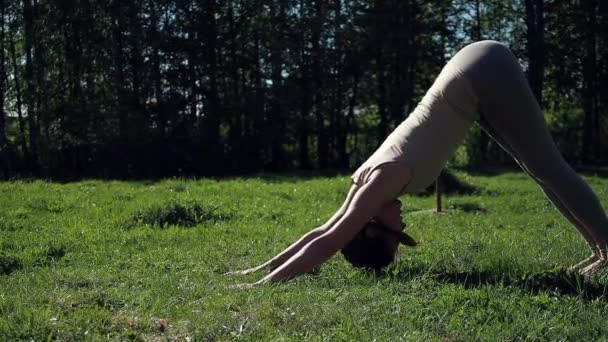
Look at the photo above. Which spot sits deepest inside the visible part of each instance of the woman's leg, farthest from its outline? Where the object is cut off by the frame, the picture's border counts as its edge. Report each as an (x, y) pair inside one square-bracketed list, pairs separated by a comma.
[(508, 108), (551, 196)]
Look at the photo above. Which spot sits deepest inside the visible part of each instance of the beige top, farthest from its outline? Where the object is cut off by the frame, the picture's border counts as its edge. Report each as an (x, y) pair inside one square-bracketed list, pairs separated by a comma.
[(431, 133)]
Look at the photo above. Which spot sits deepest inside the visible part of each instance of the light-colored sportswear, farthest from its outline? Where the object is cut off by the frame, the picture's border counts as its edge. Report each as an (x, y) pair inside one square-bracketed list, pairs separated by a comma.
[(432, 132), (485, 83)]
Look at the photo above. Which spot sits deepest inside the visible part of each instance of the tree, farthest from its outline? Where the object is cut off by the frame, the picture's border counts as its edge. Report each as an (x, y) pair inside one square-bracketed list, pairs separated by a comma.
[(31, 91), (3, 77), (210, 120), (590, 100), (535, 23), (4, 158), (199, 87)]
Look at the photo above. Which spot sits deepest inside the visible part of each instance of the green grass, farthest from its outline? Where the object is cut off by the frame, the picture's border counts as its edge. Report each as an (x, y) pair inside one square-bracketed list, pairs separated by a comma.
[(145, 260)]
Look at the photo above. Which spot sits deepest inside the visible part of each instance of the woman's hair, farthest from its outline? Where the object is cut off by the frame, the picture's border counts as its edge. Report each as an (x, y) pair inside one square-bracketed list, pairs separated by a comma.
[(371, 252)]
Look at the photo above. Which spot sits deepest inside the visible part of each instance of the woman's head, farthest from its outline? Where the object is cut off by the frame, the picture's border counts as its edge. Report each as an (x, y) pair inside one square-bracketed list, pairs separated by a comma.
[(375, 246)]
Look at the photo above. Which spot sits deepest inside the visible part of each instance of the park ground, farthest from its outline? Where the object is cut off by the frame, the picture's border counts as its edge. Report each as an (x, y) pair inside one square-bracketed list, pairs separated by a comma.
[(145, 260)]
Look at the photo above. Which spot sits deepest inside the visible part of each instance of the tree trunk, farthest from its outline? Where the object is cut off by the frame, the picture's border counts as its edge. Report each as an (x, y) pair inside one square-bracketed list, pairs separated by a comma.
[(3, 79), (589, 79), (211, 121), (156, 42), (318, 86), (380, 71), (484, 140), (337, 114), (535, 24), (401, 82), (193, 66), (4, 157), (237, 107), (477, 34), (602, 85), (277, 125), (138, 124), (119, 72), (306, 104), (344, 156), (18, 97), (259, 106), (28, 17)]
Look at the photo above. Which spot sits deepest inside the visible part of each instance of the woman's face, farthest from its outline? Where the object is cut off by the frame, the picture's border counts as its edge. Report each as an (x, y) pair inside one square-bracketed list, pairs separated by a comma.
[(390, 216)]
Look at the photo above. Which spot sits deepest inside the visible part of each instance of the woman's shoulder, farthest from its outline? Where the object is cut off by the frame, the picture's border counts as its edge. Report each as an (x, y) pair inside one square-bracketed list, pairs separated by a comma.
[(395, 170)]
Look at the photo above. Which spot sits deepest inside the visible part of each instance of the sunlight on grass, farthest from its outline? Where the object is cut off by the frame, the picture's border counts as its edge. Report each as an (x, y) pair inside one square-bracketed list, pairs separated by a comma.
[(145, 260)]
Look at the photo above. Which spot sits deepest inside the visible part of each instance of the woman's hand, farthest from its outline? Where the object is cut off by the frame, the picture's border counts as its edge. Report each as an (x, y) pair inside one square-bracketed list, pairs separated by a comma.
[(246, 286), (247, 271)]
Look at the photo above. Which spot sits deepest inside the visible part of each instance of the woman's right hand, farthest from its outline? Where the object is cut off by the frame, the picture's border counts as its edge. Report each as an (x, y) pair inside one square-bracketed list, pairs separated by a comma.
[(247, 271)]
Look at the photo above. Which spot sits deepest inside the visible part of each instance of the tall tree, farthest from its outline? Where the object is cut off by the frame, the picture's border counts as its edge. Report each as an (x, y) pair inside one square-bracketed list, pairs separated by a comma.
[(319, 84), (138, 70), (4, 157), (210, 123), (381, 12), (535, 34), (276, 116), (31, 91), (3, 75), (17, 93), (305, 82), (589, 77), (601, 126), (156, 40)]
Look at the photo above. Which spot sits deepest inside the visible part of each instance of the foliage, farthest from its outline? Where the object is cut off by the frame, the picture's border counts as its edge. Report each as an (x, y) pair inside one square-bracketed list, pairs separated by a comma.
[(173, 214), (175, 88)]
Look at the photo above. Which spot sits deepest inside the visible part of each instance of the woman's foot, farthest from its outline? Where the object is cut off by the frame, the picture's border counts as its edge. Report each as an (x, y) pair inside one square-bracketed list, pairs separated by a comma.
[(597, 265), (590, 260), (594, 268)]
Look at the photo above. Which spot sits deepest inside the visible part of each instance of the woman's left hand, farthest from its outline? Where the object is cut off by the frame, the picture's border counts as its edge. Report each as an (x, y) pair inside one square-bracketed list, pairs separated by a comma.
[(246, 286)]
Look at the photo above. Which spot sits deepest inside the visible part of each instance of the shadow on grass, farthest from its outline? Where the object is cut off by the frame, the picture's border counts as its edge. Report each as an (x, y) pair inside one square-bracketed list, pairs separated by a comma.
[(497, 170), (469, 208), (558, 281), (172, 213), (9, 264)]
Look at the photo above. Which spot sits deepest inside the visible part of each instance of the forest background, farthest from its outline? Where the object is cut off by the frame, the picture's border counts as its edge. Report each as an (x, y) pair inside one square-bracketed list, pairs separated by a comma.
[(154, 88)]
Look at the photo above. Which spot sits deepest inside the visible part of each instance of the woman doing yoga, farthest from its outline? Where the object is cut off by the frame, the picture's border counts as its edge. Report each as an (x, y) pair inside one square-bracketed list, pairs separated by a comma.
[(482, 83)]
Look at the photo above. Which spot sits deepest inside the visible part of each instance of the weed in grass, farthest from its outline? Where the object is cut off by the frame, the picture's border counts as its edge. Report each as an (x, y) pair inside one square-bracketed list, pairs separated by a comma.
[(468, 207), (9, 264), (186, 214), (54, 253), (178, 186), (45, 205), (8, 225), (45, 256)]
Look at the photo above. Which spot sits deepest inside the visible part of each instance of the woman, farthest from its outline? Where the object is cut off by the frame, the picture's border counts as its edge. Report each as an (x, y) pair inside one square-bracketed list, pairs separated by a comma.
[(482, 83)]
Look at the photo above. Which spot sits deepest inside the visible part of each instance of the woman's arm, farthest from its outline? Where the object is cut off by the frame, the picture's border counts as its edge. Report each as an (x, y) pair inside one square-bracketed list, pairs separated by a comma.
[(280, 258), (364, 205)]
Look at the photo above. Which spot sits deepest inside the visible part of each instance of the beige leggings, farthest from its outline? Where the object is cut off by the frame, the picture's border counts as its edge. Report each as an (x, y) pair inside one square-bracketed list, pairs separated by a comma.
[(509, 113)]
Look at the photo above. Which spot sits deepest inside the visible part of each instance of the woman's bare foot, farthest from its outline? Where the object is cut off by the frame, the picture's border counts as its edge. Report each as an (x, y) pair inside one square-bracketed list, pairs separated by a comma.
[(597, 265), (590, 260), (594, 268)]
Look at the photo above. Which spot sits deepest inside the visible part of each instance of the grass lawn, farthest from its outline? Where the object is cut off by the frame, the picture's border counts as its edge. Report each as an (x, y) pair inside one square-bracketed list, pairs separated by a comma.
[(93, 260)]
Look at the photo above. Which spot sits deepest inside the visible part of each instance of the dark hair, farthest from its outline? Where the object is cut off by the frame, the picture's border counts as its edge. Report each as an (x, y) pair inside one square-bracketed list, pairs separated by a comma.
[(371, 252)]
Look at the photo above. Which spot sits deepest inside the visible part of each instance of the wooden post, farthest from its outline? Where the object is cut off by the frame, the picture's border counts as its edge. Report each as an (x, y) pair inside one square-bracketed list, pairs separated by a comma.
[(438, 193)]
